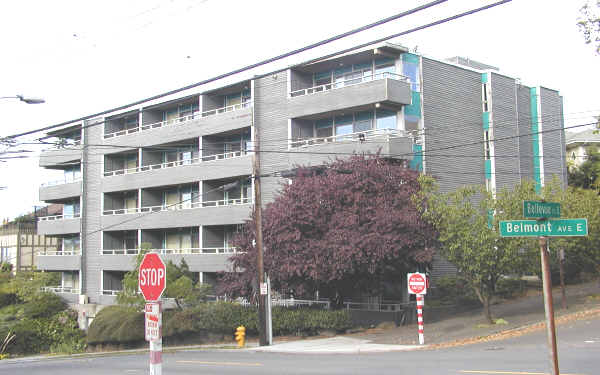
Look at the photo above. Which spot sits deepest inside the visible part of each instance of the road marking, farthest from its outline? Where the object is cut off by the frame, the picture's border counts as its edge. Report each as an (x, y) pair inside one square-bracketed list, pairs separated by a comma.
[(507, 372), (223, 363)]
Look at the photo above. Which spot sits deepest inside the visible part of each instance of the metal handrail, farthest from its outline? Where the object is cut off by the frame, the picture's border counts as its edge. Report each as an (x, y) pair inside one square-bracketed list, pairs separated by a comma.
[(59, 252), (108, 292), (58, 217), (178, 163), (179, 120), (353, 137), (192, 250), (348, 82), (375, 306), (179, 206), (60, 182), (60, 289)]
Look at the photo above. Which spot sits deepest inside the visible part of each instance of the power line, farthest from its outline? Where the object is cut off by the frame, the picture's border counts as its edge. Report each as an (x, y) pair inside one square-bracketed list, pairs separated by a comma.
[(248, 67)]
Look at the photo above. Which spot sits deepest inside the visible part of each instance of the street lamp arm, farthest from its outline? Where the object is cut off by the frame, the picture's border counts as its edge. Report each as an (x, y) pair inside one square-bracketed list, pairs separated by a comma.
[(24, 99)]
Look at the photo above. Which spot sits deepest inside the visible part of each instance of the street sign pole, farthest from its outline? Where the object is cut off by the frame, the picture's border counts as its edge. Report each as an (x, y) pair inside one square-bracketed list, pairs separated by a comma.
[(156, 344), (420, 303), (548, 305), (417, 284)]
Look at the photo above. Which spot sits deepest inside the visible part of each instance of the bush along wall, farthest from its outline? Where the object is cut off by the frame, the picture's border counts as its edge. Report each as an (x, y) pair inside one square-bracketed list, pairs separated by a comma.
[(209, 322)]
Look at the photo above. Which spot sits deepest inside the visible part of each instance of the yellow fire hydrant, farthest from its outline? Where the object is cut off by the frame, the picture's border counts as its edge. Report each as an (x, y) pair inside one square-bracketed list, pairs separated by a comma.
[(240, 336)]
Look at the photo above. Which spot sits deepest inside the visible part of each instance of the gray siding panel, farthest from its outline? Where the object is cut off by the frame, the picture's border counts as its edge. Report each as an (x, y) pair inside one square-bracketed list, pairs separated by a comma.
[(57, 262), (56, 227), (453, 117), (553, 135), (525, 140), (504, 120)]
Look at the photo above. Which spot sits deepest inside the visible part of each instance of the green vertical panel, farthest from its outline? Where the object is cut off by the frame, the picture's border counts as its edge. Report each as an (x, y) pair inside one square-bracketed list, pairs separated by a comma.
[(409, 57), (490, 217), (486, 120), (488, 169), (417, 161), (537, 172), (414, 109), (484, 78)]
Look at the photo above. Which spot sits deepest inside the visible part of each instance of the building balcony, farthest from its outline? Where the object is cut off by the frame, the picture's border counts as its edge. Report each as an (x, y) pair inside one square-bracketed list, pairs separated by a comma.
[(234, 211), (56, 157), (68, 294), (390, 89), (221, 166), (195, 125), (388, 142), (182, 251), (60, 190), (58, 260), (59, 224)]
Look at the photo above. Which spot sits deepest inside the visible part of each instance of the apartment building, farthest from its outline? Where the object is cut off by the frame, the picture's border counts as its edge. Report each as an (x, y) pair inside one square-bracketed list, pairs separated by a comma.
[(176, 173)]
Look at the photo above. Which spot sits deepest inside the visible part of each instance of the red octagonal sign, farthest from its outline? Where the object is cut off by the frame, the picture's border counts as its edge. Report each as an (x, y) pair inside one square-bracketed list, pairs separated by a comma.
[(417, 283), (152, 278)]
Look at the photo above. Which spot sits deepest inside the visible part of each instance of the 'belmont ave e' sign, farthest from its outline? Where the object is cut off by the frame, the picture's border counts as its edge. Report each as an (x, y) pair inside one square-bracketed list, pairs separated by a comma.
[(534, 209), (552, 228)]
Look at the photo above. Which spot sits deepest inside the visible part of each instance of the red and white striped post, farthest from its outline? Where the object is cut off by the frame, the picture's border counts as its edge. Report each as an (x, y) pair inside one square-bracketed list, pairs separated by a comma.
[(417, 284), (420, 302), (156, 347)]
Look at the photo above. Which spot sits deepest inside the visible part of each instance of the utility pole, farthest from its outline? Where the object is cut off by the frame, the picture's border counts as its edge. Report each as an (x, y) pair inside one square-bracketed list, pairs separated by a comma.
[(561, 262), (547, 283), (262, 329)]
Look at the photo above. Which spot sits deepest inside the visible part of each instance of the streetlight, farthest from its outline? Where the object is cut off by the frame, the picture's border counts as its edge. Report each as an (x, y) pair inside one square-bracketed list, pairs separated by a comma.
[(24, 99)]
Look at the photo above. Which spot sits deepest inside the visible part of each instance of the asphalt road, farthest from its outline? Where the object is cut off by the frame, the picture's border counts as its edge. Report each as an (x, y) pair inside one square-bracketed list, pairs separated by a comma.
[(579, 353)]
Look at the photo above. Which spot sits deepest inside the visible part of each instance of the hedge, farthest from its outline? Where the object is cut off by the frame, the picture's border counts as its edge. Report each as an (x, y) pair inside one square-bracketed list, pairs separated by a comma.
[(122, 325)]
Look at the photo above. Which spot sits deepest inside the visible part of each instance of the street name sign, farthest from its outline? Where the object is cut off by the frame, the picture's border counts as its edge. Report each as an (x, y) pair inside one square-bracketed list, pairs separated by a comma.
[(535, 209), (417, 283), (152, 278), (549, 228)]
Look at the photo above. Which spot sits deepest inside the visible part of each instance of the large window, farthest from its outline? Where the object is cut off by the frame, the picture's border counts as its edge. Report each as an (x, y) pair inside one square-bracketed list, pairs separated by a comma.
[(386, 119), (71, 209), (73, 173), (180, 112), (242, 97), (71, 244), (385, 67), (183, 238), (355, 73), (356, 122), (181, 156), (180, 197)]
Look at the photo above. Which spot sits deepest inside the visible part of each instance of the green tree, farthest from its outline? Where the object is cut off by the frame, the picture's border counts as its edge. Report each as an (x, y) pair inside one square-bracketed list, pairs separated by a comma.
[(589, 23), (586, 175), (182, 285), (467, 220)]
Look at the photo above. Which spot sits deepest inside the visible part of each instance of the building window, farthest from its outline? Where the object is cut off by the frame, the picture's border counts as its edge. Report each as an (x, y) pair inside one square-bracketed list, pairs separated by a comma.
[(180, 197), (73, 173), (71, 244), (183, 238), (71, 209), (180, 112), (324, 128), (242, 97), (385, 119), (486, 145), (484, 97), (411, 70)]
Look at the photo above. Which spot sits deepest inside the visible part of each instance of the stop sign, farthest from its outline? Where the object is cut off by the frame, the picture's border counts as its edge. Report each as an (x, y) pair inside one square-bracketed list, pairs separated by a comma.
[(152, 277), (417, 283)]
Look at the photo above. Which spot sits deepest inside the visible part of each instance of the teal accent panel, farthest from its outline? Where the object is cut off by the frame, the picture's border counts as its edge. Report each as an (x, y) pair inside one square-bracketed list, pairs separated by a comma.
[(537, 171), (486, 120), (488, 169), (417, 161), (414, 109), (409, 57), (484, 78)]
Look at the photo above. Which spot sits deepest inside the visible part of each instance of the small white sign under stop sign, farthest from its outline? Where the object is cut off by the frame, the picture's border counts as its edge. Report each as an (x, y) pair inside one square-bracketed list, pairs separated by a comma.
[(153, 321), (263, 289)]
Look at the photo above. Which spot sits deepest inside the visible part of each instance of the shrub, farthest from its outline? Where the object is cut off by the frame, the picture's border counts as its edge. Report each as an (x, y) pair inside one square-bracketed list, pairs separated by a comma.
[(43, 305), (510, 287), (7, 299), (116, 324), (453, 290)]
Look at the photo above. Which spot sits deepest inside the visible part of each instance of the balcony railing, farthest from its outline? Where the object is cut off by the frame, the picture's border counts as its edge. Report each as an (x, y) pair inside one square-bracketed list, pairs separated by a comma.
[(179, 206), (61, 182), (60, 289), (193, 250), (351, 137), (108, 292), (180, 120), (354, 80), (58, 217), (59, 252), (179, 163)]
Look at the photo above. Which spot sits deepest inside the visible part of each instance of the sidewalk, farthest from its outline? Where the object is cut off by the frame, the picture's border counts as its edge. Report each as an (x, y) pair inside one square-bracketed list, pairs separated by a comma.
[(522, 315)]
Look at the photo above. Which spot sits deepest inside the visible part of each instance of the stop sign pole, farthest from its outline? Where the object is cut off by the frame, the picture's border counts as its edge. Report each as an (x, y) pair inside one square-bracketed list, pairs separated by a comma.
[(152, 280), (417, 284)]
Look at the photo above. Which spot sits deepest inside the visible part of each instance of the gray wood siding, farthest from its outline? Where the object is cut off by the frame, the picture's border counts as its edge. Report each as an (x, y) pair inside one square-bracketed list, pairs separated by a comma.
[(525, 140), (452, 117), (553, 136), (504, 120)]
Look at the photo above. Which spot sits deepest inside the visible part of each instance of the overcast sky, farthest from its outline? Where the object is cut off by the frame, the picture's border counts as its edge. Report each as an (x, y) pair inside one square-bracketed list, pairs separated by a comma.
[(83, 57)]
